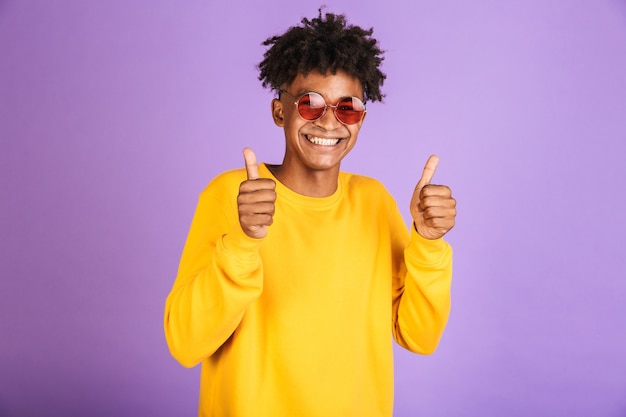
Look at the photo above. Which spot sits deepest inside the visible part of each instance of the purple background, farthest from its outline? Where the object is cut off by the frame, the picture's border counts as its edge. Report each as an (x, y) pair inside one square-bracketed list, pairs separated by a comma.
[(115, 114)]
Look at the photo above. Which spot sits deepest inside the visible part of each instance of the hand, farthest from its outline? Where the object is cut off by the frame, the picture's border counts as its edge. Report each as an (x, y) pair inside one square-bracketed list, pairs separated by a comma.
[(256, 199), (432, 207)]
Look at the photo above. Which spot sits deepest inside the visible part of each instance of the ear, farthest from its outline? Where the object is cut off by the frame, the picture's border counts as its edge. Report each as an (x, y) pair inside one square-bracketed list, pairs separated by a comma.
[(277, 113)]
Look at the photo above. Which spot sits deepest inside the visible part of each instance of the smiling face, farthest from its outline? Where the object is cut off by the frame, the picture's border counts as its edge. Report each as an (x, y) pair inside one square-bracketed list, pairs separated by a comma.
[(315, 149)]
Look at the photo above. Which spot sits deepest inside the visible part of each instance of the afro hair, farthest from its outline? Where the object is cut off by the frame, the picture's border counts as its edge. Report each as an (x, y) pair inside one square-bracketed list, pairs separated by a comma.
[(327, 44)]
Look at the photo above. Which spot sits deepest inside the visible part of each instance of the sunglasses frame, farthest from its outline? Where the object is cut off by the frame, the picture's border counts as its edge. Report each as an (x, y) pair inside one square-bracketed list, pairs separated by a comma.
[(326, 106)]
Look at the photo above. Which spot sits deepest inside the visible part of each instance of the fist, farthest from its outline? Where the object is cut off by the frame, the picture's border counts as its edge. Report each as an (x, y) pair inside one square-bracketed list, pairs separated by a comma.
[(256, 199), (432, 207)]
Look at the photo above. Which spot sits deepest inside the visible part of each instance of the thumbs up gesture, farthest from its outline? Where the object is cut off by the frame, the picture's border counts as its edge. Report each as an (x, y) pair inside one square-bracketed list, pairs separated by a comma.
[(256, 199), (432, 207)]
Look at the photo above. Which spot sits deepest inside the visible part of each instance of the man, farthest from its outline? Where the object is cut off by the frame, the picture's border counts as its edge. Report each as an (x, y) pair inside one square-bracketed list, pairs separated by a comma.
[(294, 275)]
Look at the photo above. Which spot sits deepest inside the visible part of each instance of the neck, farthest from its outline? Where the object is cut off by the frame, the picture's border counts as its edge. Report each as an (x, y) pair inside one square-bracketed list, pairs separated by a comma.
[(310, 183)]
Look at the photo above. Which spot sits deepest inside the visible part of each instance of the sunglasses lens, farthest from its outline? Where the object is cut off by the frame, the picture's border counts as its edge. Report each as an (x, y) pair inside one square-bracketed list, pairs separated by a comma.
[(350, 110), (311, 106)]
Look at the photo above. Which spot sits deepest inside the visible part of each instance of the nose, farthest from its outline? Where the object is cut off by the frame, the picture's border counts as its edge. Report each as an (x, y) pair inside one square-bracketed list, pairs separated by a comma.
[(329, 120)]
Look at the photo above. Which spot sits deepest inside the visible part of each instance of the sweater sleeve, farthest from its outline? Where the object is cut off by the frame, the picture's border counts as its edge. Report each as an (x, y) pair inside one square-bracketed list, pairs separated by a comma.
[(421, 294), (219, 276)]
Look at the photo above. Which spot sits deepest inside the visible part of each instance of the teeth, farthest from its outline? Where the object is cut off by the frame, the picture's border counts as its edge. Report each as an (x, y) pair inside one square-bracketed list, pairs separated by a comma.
[(322, 141)]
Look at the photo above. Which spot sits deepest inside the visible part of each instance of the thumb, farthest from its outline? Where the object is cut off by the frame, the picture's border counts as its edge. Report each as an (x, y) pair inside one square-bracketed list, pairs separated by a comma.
[(251, 165), (429, 171)]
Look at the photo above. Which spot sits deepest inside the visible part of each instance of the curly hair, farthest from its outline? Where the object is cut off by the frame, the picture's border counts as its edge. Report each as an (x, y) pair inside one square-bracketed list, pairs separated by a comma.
[(326, 45)]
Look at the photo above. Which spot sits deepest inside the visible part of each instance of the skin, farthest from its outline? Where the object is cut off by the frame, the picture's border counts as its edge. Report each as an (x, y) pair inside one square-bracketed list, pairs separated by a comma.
[(256, 199), (432, 207), (307, 168), (313, 170)]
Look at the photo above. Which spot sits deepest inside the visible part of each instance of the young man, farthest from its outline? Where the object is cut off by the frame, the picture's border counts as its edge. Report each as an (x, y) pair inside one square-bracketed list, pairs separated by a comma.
[(294, 276)]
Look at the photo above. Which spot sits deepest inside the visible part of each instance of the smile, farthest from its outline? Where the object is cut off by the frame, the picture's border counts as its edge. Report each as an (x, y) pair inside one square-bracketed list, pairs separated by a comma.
[(322, 141)]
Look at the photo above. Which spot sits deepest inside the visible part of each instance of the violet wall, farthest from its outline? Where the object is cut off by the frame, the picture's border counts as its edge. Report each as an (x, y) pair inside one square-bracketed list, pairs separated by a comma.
[(114, 115)]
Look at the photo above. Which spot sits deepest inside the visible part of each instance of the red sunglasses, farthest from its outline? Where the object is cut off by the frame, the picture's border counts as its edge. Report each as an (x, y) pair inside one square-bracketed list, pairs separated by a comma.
[(311, 106)]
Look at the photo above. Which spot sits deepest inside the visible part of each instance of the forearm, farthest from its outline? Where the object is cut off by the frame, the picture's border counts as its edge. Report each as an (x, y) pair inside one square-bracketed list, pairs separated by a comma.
[(422, 306), (205, 307)]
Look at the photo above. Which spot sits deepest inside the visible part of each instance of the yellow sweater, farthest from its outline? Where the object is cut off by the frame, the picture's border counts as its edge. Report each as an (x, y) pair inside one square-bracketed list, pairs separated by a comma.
[(299, 323)]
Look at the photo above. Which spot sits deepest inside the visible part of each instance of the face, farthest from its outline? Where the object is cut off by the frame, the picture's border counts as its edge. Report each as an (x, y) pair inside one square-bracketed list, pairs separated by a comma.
[(317, 145)]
